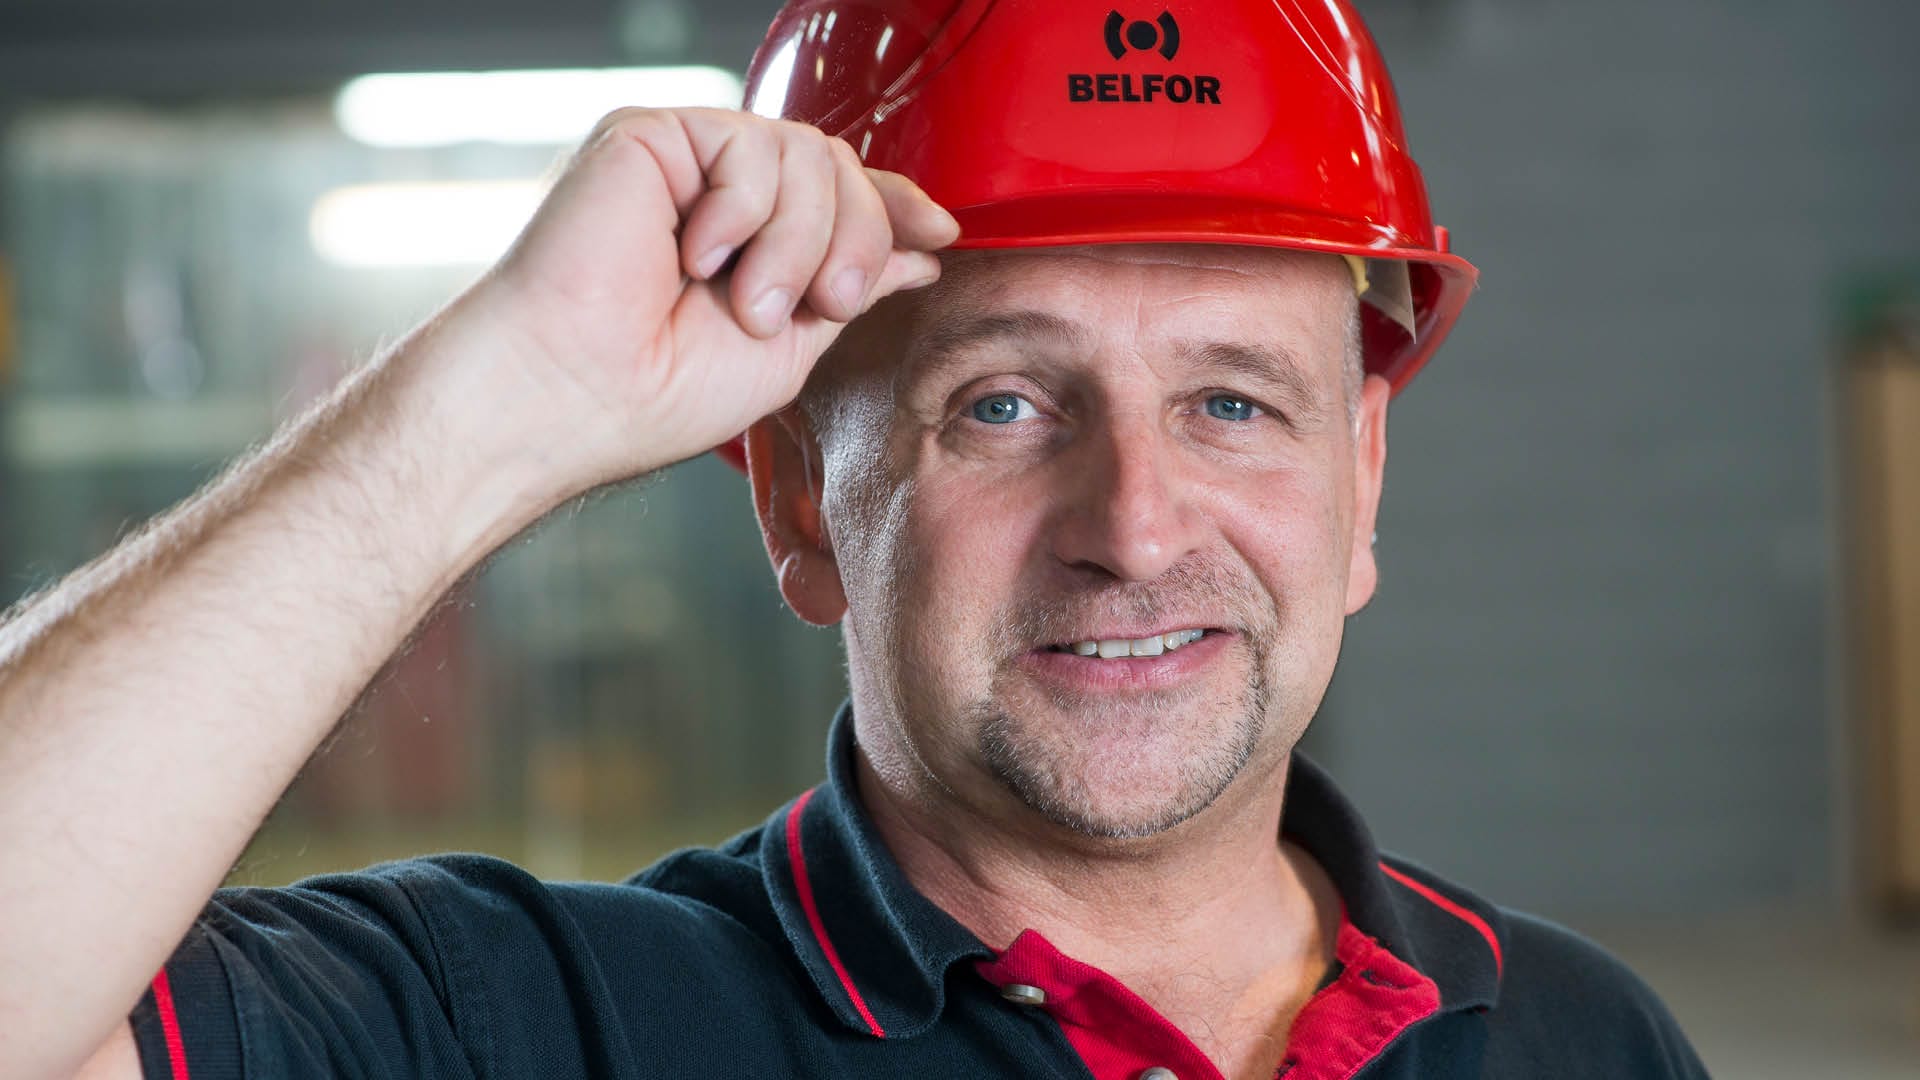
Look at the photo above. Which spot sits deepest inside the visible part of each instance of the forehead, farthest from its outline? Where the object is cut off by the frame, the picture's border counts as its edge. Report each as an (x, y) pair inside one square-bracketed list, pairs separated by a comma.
[(1248, 279), (1141, 288), (1145, 298)]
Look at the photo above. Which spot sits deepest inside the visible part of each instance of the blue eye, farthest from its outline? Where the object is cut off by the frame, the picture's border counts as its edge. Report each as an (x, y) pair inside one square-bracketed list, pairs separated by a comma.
[(1002, 409), (1228, 407)]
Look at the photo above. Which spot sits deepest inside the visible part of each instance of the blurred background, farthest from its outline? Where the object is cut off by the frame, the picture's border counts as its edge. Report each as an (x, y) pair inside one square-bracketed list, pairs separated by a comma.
[(1646, 656)]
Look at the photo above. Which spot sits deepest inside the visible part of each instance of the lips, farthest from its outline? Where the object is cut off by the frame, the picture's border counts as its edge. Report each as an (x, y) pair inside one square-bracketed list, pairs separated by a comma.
[(1113, 648), (1068, 667)]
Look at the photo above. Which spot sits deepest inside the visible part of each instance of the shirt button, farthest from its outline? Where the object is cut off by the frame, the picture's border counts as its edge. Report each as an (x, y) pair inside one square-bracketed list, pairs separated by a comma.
[(1159, 1072), (1022, 994)]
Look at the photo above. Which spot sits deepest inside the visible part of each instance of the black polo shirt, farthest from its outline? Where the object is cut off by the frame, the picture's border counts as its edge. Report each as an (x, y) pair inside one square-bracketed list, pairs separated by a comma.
[(799, 949)]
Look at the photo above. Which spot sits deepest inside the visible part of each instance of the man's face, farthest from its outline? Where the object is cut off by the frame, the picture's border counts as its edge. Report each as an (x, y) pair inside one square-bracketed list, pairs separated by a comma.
[(1142, 450)]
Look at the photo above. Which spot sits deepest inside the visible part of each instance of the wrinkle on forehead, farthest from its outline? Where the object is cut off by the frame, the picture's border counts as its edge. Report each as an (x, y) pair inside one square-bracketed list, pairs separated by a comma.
[(1230, 282), (966, 274), (870, 354), (1233, 258)]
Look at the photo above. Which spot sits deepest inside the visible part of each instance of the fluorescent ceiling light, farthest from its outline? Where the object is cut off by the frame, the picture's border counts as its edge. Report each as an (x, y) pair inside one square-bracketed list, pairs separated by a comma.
[(449, 223), (554, 107)]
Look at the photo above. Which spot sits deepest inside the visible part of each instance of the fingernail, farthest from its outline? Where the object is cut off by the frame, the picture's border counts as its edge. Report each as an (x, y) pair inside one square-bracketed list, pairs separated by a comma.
[(709, 263), (850, 287), (772, 307)]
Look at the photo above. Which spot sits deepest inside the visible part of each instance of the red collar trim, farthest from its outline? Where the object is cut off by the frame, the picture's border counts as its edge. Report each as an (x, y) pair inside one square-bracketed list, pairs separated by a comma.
[(1377, 996), (1455, 910), (803, 887), (1118, 1035)]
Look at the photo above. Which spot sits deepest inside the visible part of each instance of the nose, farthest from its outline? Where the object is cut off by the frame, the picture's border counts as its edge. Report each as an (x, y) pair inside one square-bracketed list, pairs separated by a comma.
[(1127, 513)]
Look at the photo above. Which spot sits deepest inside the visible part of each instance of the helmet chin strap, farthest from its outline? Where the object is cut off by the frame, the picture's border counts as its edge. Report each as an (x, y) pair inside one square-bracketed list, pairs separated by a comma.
[(1359, 267)]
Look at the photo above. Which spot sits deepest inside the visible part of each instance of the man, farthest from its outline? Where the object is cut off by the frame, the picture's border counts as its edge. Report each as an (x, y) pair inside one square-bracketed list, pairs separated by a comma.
[(1090, 500)]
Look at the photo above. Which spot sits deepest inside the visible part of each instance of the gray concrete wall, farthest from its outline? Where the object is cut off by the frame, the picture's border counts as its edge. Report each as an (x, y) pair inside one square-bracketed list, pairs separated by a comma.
[(1599, 674)]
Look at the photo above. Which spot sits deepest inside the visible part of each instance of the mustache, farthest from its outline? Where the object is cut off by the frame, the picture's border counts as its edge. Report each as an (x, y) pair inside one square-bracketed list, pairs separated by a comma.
[(1202, 594)]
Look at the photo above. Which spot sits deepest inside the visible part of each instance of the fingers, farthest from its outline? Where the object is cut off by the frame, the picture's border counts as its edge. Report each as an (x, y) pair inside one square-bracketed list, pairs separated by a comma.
[(780, 263), (861, 239), (742, 166), (919, 223), (665, 137), (692, 265), (902, 270), (906, 270), (800, 219)]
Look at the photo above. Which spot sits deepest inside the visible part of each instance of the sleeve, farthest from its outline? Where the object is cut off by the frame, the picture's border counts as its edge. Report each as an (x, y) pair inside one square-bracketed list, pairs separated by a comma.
[(1566, 999), (345, 975)]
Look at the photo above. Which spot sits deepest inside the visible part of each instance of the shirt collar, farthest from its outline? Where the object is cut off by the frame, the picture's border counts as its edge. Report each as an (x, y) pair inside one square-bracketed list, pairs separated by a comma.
[(878, 950), (1445, 932)]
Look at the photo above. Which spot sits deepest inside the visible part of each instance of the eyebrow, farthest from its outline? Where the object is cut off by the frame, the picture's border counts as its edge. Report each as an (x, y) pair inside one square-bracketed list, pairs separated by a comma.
[(946, 339), (1275, 366)]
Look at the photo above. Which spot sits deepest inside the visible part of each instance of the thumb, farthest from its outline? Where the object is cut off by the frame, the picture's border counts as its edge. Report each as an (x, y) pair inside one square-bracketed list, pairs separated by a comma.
[(904, 270)]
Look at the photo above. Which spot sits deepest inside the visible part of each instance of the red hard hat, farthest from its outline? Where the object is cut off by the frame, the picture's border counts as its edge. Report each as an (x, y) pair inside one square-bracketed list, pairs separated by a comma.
[(1049, 122)]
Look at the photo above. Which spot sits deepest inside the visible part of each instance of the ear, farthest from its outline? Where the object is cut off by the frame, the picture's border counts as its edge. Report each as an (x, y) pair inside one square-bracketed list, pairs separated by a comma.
[(783, 465), (1369, 467)]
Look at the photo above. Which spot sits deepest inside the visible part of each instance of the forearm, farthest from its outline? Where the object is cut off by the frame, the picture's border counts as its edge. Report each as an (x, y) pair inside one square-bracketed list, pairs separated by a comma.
[(154, 706)]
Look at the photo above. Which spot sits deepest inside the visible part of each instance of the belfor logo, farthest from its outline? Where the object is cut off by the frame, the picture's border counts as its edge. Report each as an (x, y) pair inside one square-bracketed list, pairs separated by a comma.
[(1162, 35), (1163, 38)]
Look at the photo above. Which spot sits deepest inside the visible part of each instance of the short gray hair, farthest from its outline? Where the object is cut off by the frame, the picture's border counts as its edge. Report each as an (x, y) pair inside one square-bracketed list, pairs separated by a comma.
[(1356, 359)]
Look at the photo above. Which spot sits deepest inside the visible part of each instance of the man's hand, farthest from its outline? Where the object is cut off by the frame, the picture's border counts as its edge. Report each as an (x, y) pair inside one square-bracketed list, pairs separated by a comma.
[(156, 704), (626, 340)]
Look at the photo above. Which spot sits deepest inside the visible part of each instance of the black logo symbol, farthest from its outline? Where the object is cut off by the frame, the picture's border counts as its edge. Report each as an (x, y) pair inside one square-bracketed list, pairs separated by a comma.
[(1162, 35), (1142, 35)]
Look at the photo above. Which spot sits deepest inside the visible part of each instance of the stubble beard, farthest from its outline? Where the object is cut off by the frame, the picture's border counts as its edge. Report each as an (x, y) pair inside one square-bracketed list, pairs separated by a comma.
[(1058, 790), (1193, 743)]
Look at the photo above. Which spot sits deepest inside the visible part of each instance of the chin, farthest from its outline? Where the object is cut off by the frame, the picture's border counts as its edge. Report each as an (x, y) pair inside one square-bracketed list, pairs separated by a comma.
[(1117, 770)]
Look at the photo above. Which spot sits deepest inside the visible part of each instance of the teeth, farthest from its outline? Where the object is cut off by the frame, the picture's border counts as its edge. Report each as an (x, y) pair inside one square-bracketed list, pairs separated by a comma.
[(1112, 648), (1178, 638)]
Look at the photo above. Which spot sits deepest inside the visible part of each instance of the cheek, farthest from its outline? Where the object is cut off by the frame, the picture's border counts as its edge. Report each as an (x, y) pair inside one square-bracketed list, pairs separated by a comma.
[(969, 542), (1289, 525)]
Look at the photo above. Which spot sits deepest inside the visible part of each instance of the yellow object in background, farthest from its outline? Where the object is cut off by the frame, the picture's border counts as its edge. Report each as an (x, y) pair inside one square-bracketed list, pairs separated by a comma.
[(1883, 421)]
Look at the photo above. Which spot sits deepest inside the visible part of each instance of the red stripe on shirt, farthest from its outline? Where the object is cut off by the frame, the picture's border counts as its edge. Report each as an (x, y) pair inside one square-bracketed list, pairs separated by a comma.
[(1453, 909), (170, 1026), (798, 859)]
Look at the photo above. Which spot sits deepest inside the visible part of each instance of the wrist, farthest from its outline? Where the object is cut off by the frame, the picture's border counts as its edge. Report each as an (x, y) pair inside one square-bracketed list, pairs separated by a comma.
[(486, 468)]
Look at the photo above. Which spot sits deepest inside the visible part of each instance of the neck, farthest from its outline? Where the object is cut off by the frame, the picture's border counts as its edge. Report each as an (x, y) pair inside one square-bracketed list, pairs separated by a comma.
[(1219, 896)]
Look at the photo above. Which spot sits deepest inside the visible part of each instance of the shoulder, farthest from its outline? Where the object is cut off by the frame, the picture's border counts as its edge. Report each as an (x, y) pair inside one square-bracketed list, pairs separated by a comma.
[(1562, 990), (722, 873), (1554, 1002), (414, 967), (689, 894), (444, 909)]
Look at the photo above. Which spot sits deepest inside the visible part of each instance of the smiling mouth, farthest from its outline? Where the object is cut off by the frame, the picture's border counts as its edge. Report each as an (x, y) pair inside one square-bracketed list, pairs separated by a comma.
[(1115, 648)]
